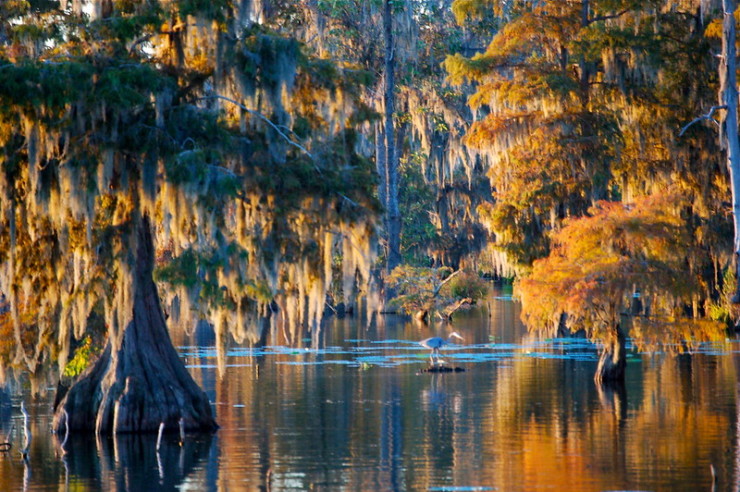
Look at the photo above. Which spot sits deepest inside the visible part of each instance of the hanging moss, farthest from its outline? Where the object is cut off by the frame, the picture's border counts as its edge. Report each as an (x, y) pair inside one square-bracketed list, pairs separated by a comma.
[(216, 10), (267, 58)]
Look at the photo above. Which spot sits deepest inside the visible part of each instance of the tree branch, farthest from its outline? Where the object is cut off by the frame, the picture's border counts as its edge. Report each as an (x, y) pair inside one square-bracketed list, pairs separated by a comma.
[(352, 202), (263, 118), (707, 116), (607, 17), (287, 139), (137, 42), (447, 315), (439, 287)]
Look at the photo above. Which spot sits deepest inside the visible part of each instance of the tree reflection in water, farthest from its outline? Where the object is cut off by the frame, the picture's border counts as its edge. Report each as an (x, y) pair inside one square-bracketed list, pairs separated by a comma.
[(353, 413), (132, 462)]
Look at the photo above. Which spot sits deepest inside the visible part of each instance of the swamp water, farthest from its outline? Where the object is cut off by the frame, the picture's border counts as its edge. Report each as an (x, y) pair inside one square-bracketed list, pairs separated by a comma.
[(357, 414)]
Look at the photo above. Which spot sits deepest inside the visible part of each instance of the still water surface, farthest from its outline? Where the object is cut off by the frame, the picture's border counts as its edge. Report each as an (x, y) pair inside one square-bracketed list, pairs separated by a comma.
[(357, 414)]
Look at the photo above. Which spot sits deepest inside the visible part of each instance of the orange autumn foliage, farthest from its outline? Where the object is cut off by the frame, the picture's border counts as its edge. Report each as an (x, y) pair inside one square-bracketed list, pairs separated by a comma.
[(598, 262)]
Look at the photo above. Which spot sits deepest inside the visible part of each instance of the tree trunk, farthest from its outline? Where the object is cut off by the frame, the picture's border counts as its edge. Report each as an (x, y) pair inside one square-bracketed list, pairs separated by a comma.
[(613, 359), (729, 136), (380, 165), (139, 381), (393, 216)]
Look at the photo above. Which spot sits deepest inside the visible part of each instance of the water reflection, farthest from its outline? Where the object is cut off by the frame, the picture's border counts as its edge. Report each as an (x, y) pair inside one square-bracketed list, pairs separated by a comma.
[(355, 413), (123, 462)]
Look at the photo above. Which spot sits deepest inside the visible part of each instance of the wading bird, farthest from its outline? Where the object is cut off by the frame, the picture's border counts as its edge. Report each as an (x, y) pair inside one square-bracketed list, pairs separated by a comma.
[(435, 343)]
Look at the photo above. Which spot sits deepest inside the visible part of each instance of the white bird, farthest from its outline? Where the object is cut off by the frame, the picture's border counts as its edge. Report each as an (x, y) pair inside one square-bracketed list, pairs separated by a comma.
[(435, 343)]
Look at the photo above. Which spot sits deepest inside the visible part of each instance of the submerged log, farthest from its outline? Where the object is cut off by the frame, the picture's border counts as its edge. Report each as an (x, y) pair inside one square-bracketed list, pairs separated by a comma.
[(139, 380)]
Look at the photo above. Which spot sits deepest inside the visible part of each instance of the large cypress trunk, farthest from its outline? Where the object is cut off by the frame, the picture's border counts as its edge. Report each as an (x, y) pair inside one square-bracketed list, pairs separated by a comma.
[(613, 359), (139, 381)]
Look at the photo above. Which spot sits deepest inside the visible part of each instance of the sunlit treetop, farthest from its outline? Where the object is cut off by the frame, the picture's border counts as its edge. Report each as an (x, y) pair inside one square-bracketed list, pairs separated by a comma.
[(601, 263), (578, 102)]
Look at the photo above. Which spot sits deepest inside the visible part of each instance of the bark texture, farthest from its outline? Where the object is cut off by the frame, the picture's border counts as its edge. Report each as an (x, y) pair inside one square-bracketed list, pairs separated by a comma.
[(139, 381), (613, 359)]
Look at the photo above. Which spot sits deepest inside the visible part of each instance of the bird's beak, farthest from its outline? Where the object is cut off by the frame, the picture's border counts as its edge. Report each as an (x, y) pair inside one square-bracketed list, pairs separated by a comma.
[(457, 335)]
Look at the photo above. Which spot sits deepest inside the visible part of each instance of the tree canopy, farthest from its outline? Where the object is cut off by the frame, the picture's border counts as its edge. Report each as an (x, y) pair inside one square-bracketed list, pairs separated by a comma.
[(583, 101), (579, 108), (603, 263), (225, 137)]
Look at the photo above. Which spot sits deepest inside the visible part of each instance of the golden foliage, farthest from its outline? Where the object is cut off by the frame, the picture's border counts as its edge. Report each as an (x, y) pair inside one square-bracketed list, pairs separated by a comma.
[(598, 262), (465, 9), (572, 109)]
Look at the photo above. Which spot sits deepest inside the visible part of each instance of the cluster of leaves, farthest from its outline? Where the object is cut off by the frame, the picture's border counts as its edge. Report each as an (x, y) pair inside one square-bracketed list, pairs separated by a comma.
[(722, 309), (599, 261), (468, 285), (9, 349), (196, 271), (85, 354)]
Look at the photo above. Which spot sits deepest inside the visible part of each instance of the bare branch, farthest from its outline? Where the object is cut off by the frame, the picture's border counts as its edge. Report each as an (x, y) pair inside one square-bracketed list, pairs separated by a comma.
[(138, 41), (439, 287), (263, 118), (707, 116), (607, 17), (352, 202), (447, 314)]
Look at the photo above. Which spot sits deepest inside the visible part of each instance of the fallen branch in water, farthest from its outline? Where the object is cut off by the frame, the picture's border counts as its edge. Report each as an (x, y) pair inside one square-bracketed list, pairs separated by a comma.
[(446, 314)]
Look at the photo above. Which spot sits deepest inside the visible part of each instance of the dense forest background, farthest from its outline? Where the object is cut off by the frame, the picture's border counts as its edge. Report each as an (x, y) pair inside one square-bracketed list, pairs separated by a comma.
[(270, 162)]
